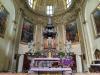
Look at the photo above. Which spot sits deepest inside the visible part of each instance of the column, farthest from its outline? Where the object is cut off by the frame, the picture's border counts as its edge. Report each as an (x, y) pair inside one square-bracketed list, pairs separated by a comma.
[(79, 63), (18, 25), (81, 19), (35, 37), (41, 37), (20, 64), (64, 35), (57, 38)]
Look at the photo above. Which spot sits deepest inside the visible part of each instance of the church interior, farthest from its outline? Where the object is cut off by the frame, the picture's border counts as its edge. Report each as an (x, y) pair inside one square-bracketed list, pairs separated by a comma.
[(49, 37)]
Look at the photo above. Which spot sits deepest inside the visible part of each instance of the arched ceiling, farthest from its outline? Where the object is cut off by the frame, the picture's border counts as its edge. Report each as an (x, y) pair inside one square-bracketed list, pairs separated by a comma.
[(58, 6), (62, 14)]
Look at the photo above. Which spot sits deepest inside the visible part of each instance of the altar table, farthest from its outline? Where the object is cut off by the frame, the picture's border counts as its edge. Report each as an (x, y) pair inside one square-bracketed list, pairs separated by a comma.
[(65, 71)]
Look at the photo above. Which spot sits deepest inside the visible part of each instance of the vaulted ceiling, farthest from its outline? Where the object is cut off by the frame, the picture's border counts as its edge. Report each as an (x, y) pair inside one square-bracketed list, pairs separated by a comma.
[(59, 6), (62, 14)]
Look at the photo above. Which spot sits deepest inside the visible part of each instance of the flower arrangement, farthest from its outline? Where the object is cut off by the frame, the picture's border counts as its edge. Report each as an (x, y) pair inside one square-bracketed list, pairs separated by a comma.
[(61, 54), (68, 62), (37, 54)]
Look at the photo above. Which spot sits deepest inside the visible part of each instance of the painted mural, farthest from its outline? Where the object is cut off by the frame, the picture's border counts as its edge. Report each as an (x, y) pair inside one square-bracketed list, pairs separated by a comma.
[(96, 15), (27, 31), (3, 20), (71, 32)]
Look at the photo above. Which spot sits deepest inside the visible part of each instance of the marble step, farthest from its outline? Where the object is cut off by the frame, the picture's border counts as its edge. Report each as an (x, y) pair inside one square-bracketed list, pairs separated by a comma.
[(33, 74)]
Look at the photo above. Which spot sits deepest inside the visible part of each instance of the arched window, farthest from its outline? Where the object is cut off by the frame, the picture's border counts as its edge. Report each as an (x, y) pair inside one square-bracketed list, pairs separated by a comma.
[(69, 2), (30, 2), (50, 10)]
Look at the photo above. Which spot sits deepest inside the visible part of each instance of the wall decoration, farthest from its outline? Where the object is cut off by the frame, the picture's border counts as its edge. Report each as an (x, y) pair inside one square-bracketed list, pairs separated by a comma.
[(97, 54), (71, 32), (3, 20), (96, 20), (45, 43), (49, 43), (27, 31)]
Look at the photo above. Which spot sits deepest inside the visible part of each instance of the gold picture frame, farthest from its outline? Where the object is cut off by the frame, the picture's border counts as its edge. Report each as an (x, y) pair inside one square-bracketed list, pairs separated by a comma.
[(95, 19), (27, 31), (3, 20)]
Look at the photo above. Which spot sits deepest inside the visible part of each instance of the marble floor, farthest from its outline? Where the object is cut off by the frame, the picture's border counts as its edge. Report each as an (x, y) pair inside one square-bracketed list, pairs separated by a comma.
[(87, 74), (28, 74)]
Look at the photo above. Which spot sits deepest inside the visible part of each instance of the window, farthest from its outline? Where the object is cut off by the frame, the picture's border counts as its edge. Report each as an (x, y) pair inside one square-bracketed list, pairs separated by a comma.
[(50, 10), (69, 2), (30, 2)]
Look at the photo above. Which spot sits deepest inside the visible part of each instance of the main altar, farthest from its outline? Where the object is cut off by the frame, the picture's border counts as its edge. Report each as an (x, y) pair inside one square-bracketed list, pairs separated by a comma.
[(48, 66), (49, 63)]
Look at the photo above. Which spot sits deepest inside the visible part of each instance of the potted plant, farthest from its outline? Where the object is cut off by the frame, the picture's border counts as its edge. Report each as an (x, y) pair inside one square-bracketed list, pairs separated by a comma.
[(61, 54), (37, 54)]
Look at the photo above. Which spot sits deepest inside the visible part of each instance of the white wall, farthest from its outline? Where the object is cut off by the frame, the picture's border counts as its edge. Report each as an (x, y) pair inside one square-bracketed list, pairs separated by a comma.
[(90, 7), (6, 45), (97, 43), (91, 42)]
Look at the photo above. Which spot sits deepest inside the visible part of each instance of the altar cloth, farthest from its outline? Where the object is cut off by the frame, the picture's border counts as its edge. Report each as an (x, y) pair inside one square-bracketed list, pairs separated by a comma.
[(68, 70)]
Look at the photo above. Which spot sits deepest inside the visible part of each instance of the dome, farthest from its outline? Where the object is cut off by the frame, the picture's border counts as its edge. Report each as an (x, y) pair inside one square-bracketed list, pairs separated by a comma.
[(49, 7)]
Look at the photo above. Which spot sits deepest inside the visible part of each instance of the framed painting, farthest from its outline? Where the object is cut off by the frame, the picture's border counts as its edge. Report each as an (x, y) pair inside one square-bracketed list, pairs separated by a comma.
[(96, 21), (3, 20), (72, 32), (27, 31)]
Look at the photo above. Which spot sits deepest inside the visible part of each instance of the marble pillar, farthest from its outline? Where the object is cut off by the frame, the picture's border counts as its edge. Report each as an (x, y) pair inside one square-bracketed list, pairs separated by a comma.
[(20, 64), (18, 28), (35, 37), (79, 63), (57, 38)]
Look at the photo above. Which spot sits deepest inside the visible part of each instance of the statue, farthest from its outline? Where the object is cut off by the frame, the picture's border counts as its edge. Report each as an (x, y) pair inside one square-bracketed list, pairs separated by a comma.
[(30, 46), (68, 46)]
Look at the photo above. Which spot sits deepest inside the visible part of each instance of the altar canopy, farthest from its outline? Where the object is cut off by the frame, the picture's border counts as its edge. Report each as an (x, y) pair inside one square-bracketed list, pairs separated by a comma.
[(49, 35)]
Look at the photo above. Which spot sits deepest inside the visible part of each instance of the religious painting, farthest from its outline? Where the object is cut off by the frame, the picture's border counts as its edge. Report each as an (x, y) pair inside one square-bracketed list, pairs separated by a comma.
[(3, 20), (45, 43), (27, 32), (96, 20), (97, 54), (49, 43), (71, 32), (53, 43)]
